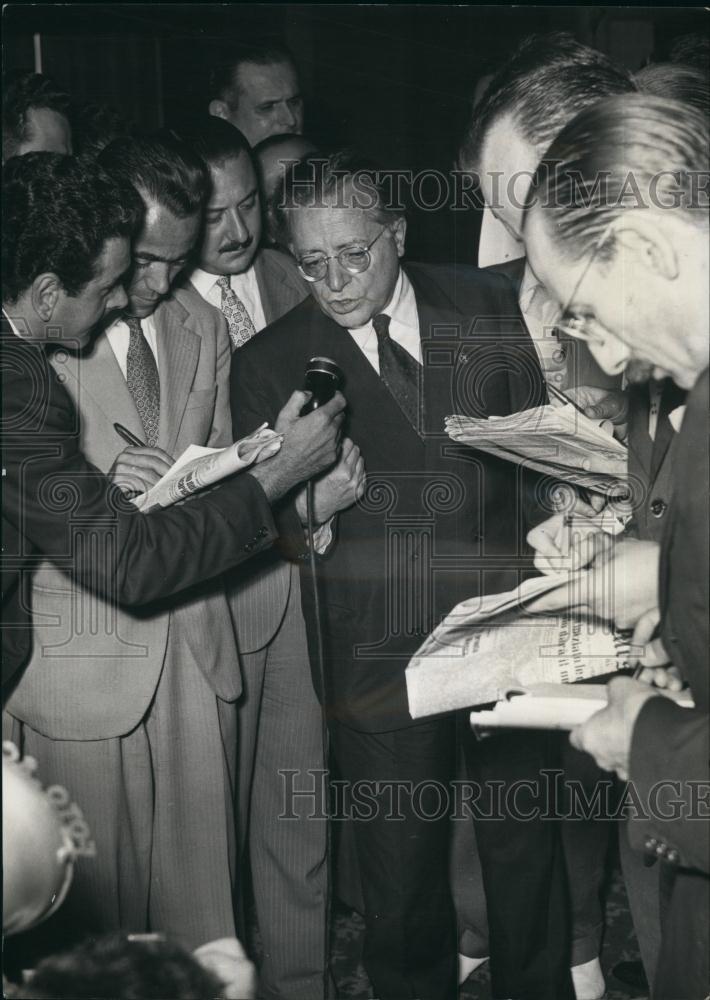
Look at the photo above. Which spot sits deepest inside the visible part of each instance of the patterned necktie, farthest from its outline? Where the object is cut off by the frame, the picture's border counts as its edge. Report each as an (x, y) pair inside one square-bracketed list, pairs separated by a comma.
[(241, 328), (143, 380), (400, 372)]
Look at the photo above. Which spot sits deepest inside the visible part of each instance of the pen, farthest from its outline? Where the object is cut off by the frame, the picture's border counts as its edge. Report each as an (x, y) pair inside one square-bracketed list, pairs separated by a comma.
[(128, 436)]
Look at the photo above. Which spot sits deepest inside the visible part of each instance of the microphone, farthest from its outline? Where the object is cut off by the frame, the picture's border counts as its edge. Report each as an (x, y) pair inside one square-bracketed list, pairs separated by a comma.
[(323, 379)]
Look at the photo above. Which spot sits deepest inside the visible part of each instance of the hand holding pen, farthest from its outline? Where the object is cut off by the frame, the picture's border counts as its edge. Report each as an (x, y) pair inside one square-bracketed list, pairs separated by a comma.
[(138, 467)]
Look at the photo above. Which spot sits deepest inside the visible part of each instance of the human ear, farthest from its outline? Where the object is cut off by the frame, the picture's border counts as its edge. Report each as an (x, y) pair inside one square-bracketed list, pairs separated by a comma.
[(648, 244), (45, 293), (399, 231), (219, 109)]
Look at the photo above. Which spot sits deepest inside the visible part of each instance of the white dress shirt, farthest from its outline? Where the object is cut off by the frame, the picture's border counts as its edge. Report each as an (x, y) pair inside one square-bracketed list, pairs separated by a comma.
[(244, 286), (119, 337), (404, 324)]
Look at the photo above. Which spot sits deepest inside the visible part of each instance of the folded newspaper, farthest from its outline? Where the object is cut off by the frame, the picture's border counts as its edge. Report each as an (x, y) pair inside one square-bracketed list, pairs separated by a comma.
[(488, 645), (557, 440), (553, 706), (199, 467)]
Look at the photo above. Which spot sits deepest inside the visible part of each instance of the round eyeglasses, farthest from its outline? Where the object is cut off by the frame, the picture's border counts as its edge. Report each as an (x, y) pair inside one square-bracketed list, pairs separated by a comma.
[(354, 259)]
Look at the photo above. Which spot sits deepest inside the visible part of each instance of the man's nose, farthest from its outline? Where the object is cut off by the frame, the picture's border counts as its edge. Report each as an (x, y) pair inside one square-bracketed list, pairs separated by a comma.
[(237, 230), (118, 299), (336, 276), (159, 278), (286, 117), (612, 355)]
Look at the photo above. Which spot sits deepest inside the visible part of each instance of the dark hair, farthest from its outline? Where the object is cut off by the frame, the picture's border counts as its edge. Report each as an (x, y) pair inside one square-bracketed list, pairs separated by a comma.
[(222, 80), (282, 139), (546, 82), (162, 167), (94, 126), (686, 84), (692, 50), (626, 152), (23, 90), (58, 214), (215, 141), (117, 968), (307, 183)]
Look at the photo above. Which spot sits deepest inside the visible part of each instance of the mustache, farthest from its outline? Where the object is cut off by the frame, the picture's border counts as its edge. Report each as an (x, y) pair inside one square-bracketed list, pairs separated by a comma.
[(233, 245)]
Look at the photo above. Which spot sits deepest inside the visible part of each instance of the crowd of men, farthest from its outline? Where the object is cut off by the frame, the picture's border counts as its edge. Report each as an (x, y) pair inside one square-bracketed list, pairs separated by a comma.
[(168, 290)]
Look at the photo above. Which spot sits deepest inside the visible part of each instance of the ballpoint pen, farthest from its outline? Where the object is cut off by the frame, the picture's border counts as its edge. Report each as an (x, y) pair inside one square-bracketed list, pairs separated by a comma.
[(128, 436)]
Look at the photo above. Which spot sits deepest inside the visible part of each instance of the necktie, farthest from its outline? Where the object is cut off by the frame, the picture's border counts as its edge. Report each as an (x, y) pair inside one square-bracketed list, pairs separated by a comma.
[(241, 328), (143, 380), (400, 372)]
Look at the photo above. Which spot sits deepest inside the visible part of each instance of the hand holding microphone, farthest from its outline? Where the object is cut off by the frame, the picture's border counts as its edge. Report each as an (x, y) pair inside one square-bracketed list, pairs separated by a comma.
[(311, 424)]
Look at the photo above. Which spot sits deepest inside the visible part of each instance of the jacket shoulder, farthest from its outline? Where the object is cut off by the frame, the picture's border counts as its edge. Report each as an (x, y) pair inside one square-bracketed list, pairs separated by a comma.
[(202, 313), (468, 287)]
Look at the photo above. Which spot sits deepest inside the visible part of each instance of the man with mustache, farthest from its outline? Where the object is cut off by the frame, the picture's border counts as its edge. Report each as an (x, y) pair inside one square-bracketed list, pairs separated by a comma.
[(137, 712), (279, 716)]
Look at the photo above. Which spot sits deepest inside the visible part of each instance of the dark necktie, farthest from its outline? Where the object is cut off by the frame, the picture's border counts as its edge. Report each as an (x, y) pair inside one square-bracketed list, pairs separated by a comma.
[(400, 372), (143, 380), (241, 328)]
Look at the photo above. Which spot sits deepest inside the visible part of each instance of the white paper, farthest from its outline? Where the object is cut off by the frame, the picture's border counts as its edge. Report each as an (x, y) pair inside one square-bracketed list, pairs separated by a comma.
[(553, 706), (199, 467), (486, 646), (556, 440)]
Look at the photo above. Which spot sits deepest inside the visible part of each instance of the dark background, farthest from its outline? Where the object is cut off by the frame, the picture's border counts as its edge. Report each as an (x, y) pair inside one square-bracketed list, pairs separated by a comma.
[(394, 81)]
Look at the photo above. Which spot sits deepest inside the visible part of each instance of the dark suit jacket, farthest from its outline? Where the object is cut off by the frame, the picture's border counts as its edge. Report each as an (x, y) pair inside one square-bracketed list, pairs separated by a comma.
[(49, 488), (671, 743), (280, 284), (651, 462), (439, 522)]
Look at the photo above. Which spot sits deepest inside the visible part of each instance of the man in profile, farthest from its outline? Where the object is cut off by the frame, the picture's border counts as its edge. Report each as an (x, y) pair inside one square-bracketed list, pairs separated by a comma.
[(35, 115), (258, 91), (66, 253)]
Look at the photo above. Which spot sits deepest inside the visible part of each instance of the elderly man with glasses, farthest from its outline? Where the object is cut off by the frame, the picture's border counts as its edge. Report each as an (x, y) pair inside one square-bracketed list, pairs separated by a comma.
[(436, 523)]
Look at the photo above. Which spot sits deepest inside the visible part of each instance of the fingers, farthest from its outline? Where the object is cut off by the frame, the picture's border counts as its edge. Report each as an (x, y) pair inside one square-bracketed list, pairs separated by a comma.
[(601, 404), (291, 410), (569, 595), (146, 460), (335, 405)]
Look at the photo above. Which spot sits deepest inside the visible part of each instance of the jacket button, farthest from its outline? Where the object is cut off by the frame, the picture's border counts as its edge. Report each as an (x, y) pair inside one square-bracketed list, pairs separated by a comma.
[(263, 532), (673, 856), (658, 507), (249, 546), (661, 850), (651, 843)]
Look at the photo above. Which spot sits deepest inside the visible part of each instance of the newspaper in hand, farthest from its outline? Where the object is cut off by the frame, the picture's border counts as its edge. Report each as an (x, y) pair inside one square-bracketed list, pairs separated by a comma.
[(487, 645), (557, 440), (199, 467), (554, 706)]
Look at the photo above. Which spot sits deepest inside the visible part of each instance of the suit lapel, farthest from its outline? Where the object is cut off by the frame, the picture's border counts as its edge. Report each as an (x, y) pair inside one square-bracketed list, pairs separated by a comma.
[(671, 398), (178, 354), (99, 376)]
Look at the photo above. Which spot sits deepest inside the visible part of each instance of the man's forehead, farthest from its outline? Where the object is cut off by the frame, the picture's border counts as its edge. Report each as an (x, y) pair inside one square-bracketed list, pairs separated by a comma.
[(115, 259), (331, 220), (506, 150), (232, 179), (265, 80)]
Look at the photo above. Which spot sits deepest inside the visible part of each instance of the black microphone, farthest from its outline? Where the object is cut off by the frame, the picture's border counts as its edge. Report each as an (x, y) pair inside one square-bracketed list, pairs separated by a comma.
[(323, 379)]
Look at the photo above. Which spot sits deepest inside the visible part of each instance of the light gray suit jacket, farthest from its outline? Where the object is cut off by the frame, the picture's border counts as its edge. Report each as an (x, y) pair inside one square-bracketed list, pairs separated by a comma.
[(95, 666), (258, 595)]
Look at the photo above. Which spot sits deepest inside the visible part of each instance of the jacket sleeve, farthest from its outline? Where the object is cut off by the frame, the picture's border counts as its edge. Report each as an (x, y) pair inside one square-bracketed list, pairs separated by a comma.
[(252, 404), (51, 493), (670, 750), (221, 430)]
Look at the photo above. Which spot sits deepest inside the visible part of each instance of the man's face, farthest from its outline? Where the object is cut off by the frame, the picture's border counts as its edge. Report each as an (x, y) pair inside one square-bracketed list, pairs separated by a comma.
[(349, 299), (507, 163), (47, 132), (160, 253), (647, 305), (77, 316), (266, 101), (232, 228)]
